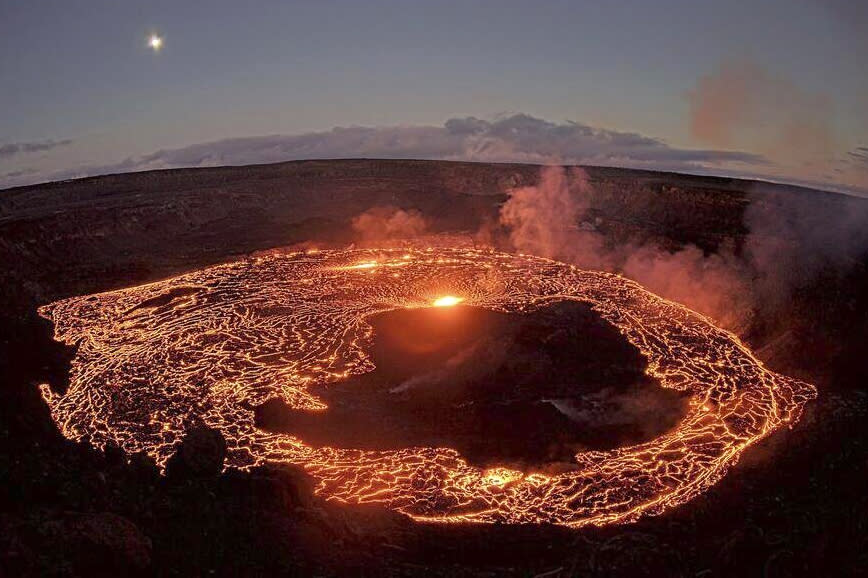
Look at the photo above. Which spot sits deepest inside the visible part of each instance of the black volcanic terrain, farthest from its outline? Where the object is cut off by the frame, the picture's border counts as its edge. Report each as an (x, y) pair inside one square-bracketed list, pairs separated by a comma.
[(794, 503), (526, 390), (104, 232)]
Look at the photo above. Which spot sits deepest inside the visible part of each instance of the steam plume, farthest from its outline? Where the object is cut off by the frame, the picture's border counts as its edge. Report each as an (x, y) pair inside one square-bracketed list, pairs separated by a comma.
[(790, 240), (742, 102), (380, 224)]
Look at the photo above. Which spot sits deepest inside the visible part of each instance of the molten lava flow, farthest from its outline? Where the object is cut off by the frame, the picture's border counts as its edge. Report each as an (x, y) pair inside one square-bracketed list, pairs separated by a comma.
[(447, 301), (208, 346)]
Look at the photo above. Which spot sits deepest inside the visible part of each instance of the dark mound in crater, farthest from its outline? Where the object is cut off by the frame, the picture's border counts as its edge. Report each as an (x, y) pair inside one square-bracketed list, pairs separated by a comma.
[(521, 389)]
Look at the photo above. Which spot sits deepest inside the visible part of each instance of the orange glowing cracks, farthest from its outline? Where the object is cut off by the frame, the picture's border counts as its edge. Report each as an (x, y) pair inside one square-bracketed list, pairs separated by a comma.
[(447, 301), (365, 265), (210, 345)]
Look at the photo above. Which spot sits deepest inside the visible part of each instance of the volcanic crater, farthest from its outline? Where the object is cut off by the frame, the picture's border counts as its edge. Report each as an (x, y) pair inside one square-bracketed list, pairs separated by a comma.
[(522, 389)]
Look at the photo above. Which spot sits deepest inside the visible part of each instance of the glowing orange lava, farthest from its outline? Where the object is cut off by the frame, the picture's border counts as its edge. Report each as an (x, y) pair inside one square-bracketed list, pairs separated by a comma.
[(447, 301), (209, 345)]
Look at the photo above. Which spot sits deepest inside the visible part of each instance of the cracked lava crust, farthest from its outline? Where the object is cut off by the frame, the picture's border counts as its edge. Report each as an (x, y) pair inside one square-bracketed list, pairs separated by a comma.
[(211, 346)]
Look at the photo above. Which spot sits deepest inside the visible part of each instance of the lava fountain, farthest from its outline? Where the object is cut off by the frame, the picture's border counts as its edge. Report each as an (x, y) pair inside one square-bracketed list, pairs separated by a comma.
[(208, 346), (447, 301)]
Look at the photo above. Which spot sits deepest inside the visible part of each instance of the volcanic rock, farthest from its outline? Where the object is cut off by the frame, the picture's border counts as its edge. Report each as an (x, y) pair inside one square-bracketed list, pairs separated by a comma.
[(200, 455), (104, 544)]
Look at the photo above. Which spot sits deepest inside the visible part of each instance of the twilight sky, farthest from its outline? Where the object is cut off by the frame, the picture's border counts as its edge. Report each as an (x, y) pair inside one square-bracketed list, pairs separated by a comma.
[(775, 89)]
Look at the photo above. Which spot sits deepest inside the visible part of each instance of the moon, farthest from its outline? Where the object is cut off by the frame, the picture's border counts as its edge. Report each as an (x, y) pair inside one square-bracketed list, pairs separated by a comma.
[(155, 42)]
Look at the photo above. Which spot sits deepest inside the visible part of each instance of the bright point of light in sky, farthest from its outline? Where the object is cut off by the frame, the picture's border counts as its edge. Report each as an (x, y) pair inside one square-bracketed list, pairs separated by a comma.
[(155, 42)]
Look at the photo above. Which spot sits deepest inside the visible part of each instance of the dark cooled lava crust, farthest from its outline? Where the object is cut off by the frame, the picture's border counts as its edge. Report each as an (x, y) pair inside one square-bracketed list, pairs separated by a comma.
[(524, 390)]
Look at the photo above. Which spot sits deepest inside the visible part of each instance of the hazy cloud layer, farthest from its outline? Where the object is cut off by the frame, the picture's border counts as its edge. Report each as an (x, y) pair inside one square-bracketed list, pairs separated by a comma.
[(16, 148), (859, 156), (515, 138), (18, 173)]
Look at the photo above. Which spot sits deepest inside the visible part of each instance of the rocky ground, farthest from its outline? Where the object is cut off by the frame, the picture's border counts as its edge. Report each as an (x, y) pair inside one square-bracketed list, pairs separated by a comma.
[(794, 506)]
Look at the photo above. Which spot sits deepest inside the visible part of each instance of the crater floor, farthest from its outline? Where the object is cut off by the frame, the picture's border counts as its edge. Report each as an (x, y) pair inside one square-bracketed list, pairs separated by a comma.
[(218, 346), (526, 390)]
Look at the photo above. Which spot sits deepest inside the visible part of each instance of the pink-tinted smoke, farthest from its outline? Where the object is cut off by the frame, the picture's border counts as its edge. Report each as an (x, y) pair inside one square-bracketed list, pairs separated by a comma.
[(552, 219), (382, 224)]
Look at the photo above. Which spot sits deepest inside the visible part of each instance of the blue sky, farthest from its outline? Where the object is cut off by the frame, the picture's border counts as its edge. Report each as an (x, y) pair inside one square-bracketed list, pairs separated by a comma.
[(784, 84)]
